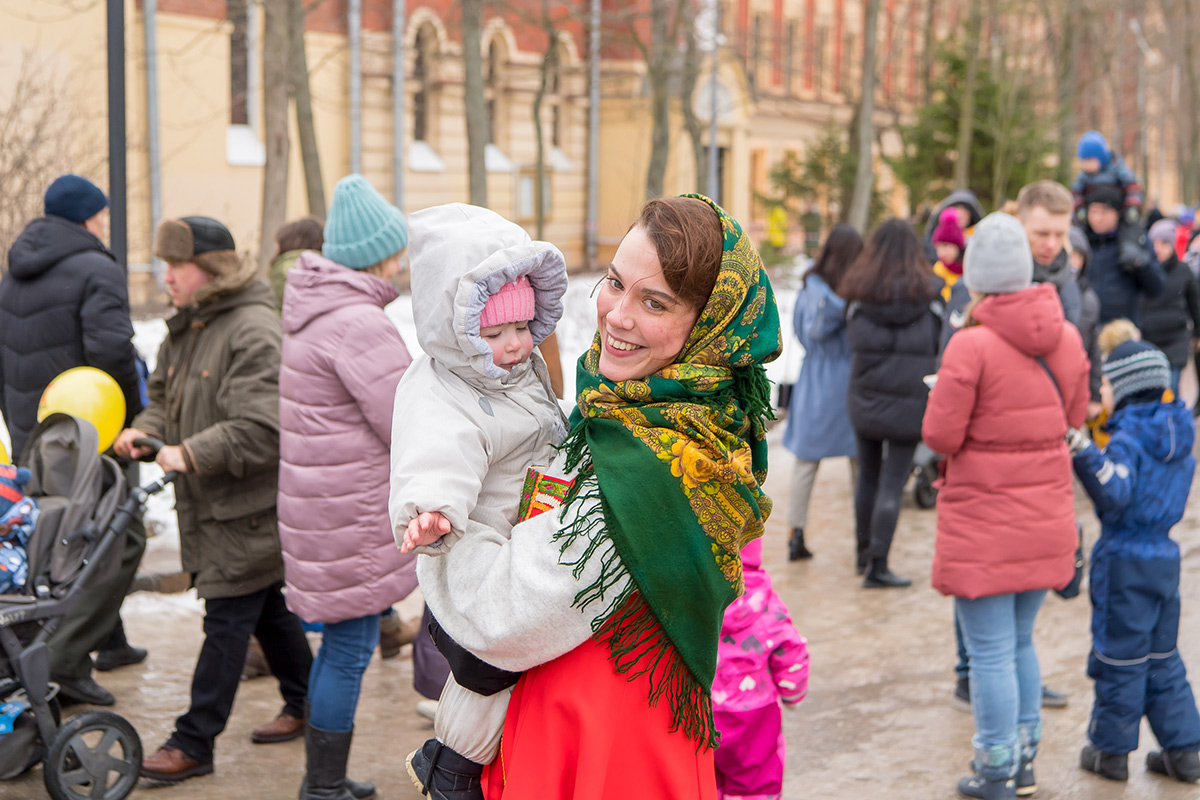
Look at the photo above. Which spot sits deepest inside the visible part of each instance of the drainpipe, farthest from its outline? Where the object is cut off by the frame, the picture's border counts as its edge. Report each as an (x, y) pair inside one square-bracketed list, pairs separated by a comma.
[(399, 79), (253, 70), (355, 85), (714, 188), (593, 165), (118, 210), (150, 12)]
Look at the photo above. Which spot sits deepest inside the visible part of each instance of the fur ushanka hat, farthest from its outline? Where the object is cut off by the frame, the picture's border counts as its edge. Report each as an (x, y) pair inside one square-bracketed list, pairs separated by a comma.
[(201, 240)]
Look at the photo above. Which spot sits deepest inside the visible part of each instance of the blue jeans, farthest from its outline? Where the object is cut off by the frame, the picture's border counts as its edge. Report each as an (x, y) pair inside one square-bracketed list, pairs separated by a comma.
[(336, 678), (1175, 376), (1006, 682)]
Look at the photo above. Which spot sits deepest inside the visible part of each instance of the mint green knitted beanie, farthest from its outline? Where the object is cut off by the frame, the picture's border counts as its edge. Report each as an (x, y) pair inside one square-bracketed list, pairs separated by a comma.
[(362, 228)]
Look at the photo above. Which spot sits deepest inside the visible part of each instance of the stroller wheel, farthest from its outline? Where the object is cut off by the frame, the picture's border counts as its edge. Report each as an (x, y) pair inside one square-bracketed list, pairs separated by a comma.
[(95, 756), (923, 491)]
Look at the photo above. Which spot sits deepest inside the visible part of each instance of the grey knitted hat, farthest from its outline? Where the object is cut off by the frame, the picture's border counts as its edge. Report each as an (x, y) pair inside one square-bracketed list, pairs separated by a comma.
[(998, 259), (1135, 367)]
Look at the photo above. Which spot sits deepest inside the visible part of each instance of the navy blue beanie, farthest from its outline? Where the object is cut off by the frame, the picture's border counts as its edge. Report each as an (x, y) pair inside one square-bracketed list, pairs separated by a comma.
[(74, 198), (1135, 368), (1093, 145)]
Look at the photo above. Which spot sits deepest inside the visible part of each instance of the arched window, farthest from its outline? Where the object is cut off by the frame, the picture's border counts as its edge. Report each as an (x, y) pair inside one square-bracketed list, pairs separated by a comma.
[(422, 102)]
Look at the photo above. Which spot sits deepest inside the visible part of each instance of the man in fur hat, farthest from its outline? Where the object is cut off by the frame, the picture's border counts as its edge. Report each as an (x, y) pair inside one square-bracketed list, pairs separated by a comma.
[(214, 401)]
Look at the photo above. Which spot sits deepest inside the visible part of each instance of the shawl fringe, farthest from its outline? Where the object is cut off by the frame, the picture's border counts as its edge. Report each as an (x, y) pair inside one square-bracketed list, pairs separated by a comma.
[(638, 645)]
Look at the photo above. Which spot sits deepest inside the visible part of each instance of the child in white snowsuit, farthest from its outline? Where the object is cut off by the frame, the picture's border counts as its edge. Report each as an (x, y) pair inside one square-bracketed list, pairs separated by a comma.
[(470, 418), (761, 661)]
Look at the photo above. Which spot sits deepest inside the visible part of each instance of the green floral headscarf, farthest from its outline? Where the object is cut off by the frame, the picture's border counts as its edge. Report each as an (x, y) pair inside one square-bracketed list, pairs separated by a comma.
[(673, 465)]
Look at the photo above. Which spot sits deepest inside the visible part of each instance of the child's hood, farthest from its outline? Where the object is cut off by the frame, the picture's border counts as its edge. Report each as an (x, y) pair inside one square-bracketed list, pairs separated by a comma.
[(743, 612), (1165, 431), (1031, 320), (459, 255)]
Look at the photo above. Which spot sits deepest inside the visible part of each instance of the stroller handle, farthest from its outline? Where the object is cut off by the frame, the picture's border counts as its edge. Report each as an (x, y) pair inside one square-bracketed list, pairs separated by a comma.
[(154, 445)]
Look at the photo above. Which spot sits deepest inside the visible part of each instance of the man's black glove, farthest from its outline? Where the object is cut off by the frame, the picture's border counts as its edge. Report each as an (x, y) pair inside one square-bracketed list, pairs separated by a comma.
[(1132, 257)]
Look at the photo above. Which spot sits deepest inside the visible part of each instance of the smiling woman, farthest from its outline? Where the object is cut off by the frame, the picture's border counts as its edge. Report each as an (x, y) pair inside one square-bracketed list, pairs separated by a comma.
[(616, 612), (661, 275)]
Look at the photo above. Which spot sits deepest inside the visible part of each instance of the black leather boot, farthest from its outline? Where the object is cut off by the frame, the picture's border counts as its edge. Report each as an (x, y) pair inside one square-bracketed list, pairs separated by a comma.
[(1182, 765), (880, 577), (796, 549), (443, 774), (1114, 766), (326, 753)]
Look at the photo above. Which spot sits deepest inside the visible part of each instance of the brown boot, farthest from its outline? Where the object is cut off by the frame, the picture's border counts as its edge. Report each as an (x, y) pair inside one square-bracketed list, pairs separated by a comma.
[(394, 634), (256, 663), (171, 765), (283, 728)]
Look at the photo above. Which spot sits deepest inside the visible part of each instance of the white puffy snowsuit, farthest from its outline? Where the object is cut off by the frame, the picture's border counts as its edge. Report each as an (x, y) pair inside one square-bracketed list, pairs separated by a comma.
[(465, 431)]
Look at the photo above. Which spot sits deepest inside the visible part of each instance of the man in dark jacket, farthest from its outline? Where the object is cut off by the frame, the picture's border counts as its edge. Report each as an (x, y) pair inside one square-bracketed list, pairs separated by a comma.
[(1119, 280), (214, 401), (64, 304)]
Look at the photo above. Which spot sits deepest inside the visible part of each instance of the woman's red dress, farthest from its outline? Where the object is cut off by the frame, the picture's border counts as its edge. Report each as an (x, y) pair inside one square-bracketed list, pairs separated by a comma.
[(578, 730)]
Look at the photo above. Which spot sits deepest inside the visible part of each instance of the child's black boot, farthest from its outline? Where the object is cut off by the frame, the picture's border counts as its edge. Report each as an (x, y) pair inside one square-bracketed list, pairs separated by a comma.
[(443, 774), (1182, 765), (1114, 766)]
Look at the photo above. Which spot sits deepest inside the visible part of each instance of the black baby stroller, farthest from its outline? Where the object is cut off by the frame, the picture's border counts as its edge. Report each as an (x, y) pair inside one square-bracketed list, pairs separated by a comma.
[(77, 543)]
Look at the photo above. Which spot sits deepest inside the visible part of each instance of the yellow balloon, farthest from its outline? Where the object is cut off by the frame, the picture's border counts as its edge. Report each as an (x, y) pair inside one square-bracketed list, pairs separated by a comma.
[(87, 393)]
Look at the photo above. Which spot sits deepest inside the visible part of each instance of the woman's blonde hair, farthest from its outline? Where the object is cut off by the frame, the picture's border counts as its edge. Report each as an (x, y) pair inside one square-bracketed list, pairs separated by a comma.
[(969, 313), (377, 268)]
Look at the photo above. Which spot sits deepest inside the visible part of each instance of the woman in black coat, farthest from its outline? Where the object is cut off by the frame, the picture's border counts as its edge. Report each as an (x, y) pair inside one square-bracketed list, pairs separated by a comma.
[(894, 328), (1170, 320)]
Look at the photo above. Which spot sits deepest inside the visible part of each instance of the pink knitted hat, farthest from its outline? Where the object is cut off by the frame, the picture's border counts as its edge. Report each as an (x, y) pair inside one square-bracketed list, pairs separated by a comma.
[(514, 302), (948, 230)]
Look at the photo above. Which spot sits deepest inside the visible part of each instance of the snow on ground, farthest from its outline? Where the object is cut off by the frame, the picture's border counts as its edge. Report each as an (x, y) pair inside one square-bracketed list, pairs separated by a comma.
[(575, 332)]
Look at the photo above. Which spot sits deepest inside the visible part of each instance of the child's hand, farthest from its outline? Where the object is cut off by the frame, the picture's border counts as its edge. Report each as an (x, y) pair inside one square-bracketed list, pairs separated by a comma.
[(424, 529), (1077, 441)]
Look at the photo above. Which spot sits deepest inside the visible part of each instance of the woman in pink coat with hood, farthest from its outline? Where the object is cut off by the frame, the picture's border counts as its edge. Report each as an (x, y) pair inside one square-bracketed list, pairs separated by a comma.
[(342, 360), (1011, 383)]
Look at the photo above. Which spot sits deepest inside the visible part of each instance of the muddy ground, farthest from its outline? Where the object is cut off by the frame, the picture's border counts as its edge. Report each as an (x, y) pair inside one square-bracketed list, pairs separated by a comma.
[(878, 721)]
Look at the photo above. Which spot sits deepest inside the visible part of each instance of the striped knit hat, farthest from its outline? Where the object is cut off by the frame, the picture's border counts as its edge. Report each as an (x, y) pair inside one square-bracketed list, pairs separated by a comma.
[(362, 229), (1136, 367)]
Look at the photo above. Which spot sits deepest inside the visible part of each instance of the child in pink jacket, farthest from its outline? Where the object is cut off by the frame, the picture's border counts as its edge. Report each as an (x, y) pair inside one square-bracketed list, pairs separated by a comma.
[(761, 660)]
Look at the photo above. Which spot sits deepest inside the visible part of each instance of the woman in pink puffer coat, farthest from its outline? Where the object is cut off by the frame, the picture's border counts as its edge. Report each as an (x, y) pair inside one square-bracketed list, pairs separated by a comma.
[(342, 360)]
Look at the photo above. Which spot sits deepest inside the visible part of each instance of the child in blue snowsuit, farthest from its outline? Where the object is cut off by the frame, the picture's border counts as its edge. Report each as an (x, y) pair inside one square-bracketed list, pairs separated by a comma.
[(1140, 485), (18, 515)]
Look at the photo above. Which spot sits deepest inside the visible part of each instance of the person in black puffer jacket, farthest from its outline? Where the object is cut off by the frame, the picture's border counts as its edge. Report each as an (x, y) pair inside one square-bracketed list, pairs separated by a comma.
[(894, 325), (1171, 320), (63, 303)]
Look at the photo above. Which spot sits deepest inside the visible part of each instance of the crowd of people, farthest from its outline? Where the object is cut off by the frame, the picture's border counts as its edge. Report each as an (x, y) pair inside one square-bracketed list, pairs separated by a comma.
[(571, 639), (1006, 346)]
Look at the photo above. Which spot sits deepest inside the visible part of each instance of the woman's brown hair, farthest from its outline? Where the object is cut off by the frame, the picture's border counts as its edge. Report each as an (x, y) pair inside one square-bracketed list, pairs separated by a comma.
[(687, 236), (306, 233), (841, 248), (892, 269)]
